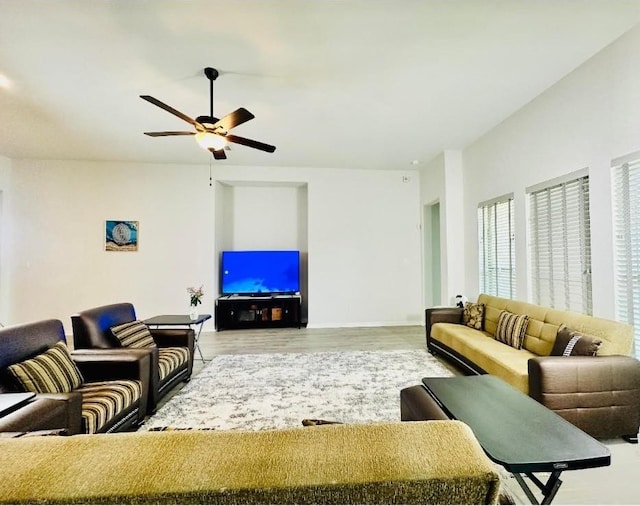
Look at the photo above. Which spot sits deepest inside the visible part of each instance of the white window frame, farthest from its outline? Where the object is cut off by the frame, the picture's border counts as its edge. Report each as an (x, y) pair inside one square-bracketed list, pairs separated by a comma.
[(625, 189), (496, 247), (560, 243)]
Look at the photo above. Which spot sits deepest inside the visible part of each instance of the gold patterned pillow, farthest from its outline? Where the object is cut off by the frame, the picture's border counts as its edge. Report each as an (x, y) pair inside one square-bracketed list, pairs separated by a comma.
[(48, 373), (473, 315), (512, 328), (133, 334)]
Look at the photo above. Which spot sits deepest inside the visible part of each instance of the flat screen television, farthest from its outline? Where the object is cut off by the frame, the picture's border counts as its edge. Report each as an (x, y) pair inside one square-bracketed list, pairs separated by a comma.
[(260, 272)]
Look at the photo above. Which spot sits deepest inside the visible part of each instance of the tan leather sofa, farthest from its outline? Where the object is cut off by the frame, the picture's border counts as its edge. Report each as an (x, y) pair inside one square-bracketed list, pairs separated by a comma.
[(600, 395), (386, 463)]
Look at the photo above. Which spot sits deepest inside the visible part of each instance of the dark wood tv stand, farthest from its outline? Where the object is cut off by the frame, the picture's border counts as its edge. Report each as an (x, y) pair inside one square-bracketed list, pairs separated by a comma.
[(260, 311)]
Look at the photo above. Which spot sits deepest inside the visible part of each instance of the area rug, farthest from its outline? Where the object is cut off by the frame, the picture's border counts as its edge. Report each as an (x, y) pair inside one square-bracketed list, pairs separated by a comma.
[(270, 391)]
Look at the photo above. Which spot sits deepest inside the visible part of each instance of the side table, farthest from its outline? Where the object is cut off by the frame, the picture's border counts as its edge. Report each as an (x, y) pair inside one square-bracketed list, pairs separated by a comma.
[(11, 401), (180, 320)]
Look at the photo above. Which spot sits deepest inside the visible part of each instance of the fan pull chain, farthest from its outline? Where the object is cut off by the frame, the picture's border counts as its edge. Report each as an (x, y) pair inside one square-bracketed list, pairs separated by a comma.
[(210, 164)]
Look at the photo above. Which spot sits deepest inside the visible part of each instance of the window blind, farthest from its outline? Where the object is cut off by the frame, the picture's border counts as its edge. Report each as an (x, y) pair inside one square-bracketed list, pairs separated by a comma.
[(626, 212), (561, 246), (496, 248)]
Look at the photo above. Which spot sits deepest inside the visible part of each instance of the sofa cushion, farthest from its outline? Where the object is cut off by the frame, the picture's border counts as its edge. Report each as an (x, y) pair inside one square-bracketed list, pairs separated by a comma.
[(104, 400), (48, 373), (133, 334), (482, 349), (511, 329), (571, 342), (169, 359), (473, 315)]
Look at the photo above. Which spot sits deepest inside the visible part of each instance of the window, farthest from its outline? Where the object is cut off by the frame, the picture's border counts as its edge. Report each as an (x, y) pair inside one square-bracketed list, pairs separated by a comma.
[(561, 245), (626, 214), (496, 248)]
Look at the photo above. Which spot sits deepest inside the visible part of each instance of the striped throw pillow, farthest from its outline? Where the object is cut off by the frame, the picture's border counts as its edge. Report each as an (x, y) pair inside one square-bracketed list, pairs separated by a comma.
[(133, 334), (512, 328), (48, 373)]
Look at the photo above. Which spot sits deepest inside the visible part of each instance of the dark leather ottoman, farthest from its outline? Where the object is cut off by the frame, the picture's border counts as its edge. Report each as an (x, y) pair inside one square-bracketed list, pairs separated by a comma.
[(417, 405)]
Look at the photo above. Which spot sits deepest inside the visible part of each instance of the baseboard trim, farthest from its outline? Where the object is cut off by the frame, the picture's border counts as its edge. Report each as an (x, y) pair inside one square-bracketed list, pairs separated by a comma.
[(363, 324)]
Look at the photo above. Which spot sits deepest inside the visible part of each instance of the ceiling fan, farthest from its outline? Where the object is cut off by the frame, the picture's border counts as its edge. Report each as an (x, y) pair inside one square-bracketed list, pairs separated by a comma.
[(210, 132)]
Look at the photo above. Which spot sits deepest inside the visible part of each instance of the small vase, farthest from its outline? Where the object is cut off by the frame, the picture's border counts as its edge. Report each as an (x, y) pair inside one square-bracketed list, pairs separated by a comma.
[(193, 312)]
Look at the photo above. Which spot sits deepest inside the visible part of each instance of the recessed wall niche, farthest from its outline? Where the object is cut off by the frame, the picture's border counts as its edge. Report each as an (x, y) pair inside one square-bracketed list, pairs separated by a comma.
[(263, 215)]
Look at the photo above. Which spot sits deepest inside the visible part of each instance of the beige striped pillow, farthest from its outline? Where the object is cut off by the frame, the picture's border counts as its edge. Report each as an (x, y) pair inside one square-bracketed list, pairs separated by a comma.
[(512, 328), (48, 373), (133, 334)]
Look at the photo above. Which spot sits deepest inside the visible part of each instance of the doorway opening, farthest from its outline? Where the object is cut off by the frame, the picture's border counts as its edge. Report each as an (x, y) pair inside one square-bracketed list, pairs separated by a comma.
[(432, 287)]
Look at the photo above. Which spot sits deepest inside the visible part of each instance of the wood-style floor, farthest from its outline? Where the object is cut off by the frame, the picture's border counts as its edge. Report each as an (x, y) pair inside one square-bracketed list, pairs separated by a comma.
[(616, 484)]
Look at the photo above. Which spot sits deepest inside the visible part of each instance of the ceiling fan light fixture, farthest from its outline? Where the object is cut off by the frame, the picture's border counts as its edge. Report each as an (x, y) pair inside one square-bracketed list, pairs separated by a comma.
[(212, 134), (208, 140)]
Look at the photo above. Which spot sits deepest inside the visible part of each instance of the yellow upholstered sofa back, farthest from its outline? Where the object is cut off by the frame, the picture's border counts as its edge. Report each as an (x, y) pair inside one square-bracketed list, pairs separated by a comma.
[(435, 462), (617, 338)]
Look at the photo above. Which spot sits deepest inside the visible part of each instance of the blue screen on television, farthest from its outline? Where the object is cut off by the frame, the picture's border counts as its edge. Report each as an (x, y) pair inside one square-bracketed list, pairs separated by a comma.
[(255, 272)]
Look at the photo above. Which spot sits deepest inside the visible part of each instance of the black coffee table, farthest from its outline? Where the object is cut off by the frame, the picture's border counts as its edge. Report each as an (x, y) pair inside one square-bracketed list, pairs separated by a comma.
[(516, 431)]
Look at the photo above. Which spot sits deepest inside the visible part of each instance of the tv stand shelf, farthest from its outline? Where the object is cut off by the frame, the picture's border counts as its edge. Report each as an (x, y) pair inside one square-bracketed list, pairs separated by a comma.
[(261, 311)]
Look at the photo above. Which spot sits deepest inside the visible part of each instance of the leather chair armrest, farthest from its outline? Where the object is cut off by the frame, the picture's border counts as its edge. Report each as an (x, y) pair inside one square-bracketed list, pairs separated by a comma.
[(441, 315), (106, 365), (46, 412), (73, 402), (169, 337)]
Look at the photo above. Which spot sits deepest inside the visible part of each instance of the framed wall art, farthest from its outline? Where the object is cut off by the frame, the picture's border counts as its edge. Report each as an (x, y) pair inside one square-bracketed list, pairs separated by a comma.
[(121, 235)]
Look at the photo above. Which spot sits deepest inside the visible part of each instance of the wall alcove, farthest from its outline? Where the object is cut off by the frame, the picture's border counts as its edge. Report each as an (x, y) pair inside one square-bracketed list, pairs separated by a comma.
[(263, 216)]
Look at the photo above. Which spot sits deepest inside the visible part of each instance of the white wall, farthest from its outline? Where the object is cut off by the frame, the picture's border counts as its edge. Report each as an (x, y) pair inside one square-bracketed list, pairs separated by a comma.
[(363, 242), (58, 261), (584, 121), (364, 248), (442, 180), (5, 226), (264, 217), (363, 239)]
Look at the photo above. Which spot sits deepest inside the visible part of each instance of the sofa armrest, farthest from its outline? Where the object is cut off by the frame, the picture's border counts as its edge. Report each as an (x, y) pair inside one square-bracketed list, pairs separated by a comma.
[(441, 315), (46, 412), (169, 337), (601, 395), (107, 365)]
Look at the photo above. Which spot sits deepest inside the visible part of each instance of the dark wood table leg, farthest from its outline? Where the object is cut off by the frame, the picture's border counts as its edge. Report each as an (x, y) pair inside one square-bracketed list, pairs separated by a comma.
[(548, 489)]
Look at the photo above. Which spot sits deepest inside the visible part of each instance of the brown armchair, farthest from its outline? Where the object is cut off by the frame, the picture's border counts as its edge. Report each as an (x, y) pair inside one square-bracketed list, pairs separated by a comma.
[(110, 380), (92, 330)]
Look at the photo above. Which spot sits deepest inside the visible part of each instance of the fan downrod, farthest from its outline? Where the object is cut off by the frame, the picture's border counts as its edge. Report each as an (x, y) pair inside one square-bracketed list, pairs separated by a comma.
[(211, 73)]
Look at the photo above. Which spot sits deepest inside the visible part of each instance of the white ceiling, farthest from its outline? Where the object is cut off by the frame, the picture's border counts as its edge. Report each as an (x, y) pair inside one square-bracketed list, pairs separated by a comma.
[(371, 84)]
